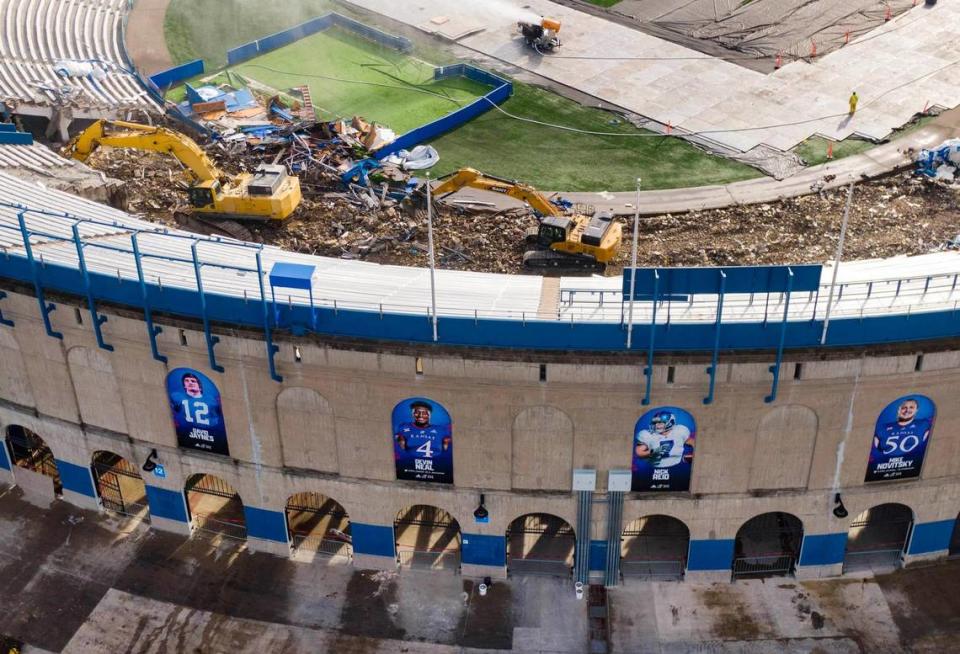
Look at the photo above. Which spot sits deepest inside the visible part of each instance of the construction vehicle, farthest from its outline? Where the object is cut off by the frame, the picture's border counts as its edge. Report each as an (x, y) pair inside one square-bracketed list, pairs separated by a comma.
[(542, 36), (561, 240), (266, 194)]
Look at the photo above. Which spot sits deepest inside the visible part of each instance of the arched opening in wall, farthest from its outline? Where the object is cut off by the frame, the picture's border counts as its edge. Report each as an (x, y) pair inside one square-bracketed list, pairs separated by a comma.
[(878, 537), (955, 538), (30, 452), (654, 547), (119, 484), (767, 545), (428, 538), (540, 544), (319, 525), (215, 507)]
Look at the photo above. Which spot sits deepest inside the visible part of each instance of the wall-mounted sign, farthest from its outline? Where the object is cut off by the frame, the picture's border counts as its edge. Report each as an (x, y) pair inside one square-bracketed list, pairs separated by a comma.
[(197, 411), (663, 441), (900, 439), (423, 441)]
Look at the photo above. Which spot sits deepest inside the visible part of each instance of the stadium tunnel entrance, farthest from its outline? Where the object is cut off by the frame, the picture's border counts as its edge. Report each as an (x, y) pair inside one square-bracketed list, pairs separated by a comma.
[(540, 544), (654, 548), (29, 451), (318, 525), (427, 538), (215, 507), (878, 538), (119, 484), (767, 545)]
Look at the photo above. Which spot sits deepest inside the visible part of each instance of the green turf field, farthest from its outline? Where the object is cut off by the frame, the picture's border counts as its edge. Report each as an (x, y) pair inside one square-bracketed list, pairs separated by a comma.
[(548, 158), (553, 159), (349, 76)]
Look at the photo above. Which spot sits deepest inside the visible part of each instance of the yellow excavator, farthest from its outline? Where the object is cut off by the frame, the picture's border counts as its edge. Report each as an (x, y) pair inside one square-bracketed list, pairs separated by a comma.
[(561, 240), (266, 194)]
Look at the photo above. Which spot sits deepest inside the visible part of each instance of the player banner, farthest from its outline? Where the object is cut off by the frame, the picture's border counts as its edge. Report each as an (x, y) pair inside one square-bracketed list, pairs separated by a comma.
[(197, 412), (423, 441), (663, 441), (900, 439)]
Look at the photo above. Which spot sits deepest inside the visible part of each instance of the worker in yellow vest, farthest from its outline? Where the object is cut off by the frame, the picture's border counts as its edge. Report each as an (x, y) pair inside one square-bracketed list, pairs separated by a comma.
[(854, 98)]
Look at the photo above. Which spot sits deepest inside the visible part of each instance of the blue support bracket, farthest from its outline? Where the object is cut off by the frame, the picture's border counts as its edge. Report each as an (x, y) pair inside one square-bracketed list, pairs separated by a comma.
[(775, 368), (712, 370), (648, 369), (268, 335), (98, 320), (45, 307), (4, 321), (211, 339), (152, 330)]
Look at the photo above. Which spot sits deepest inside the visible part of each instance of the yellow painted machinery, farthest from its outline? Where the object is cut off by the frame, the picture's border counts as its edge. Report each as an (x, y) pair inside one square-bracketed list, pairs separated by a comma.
[(561, 240), (266, 194)]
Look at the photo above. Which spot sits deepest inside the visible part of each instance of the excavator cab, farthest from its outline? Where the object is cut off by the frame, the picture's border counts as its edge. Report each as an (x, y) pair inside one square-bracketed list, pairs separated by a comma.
[(204, 194), (553, 229)]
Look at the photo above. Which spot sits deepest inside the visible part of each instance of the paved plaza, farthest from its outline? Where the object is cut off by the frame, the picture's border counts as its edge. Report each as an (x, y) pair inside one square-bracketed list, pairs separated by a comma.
[(898, 69)]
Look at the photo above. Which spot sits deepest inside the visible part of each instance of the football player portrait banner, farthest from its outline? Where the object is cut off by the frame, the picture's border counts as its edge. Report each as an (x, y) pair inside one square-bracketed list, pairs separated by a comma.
[(663, 441), (423, 441), (900, 439), (197, 411)]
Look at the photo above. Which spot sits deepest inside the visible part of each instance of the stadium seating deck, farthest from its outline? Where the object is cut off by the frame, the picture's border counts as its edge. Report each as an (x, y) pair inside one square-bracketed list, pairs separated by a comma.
[(892, 287), (34, 34)]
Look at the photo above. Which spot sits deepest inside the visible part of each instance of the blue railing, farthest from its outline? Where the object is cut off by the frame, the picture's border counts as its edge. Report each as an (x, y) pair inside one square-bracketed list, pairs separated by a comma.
[(129, 285)]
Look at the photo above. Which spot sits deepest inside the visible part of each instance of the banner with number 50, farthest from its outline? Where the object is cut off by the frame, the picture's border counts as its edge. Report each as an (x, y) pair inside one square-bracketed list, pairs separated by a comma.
[(900, 438), (197, 411)]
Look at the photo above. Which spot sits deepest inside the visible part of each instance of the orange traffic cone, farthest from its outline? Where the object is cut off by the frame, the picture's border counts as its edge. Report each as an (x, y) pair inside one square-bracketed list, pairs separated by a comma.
[(830, 150)]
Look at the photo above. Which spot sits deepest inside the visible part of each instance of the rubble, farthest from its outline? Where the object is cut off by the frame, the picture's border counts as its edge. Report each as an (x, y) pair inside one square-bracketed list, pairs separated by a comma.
[(902, 214)]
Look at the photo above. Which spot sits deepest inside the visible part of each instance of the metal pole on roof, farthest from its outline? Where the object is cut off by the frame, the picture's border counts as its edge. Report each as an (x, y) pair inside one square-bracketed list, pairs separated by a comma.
[(836, 263), (633, 267), (433, 264)]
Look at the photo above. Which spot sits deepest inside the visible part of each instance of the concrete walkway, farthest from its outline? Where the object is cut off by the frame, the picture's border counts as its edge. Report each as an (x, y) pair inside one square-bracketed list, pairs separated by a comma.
[(878, 161), (897, 69), (146, 40)]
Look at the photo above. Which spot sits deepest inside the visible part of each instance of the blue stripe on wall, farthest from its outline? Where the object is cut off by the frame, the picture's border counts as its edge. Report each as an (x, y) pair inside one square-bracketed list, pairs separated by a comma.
[(4, 459), (76, 478), (373, 539), (480, 549), (823, 549), (264, 524), (931, 537), (598, 555), (710, 555), (166, 504)]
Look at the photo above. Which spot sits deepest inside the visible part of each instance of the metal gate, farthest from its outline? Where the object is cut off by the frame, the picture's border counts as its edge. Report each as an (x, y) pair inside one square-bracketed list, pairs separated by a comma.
[(30, 452), (558, 537), (108, 470), (876, 543), (214, 523), (429, 558), (653, 569), (331, 542), (774, 565)]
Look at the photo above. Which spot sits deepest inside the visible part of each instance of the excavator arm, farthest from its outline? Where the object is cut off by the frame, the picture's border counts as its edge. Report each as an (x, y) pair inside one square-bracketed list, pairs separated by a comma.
[(119, 134), (475, 179)]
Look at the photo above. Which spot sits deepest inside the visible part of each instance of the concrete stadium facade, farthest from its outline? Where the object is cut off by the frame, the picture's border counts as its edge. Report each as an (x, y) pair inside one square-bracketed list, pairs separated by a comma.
[(523, 423)]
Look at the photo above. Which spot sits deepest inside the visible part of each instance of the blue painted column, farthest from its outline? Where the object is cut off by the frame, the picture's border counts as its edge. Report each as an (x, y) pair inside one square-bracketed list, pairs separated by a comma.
[(78, 486), (821, 555), (929, 541), (267, 531), (483, 555), (374, 546), (710, 560), (168, 510)]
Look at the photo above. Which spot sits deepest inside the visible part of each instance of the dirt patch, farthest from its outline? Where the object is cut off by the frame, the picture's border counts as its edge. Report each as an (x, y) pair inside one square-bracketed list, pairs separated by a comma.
[(731, 617), (146, 41), (925, 605), (371, 606)]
